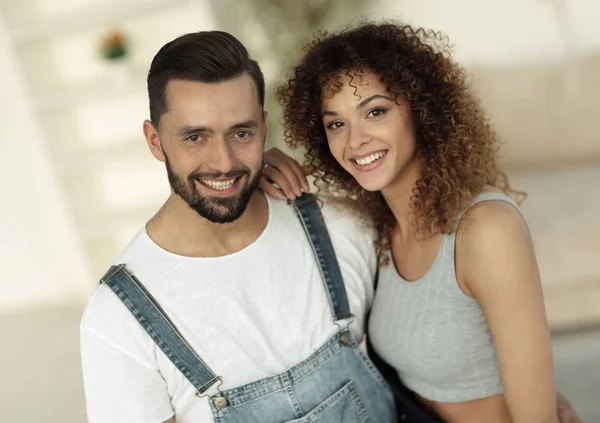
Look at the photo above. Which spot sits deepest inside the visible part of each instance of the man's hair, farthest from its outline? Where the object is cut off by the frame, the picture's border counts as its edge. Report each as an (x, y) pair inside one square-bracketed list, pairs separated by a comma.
[(205, 56)]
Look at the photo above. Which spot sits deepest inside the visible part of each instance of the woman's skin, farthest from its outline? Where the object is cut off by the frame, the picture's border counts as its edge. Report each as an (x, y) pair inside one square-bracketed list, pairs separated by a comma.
[(373, 138)]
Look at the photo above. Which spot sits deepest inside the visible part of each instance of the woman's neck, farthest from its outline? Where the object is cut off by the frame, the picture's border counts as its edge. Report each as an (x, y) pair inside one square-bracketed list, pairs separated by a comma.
[(398, 196)]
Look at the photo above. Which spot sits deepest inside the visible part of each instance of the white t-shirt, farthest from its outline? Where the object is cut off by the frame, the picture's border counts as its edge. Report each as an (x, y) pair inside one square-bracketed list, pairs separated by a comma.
[(248, 315)]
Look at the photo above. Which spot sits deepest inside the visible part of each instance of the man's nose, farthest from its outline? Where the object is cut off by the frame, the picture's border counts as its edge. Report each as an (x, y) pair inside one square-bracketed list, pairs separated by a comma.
[(221, 156)]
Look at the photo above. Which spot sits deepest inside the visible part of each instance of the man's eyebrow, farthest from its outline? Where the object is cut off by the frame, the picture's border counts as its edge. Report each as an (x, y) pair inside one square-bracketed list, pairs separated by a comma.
[(191, 129), (251, 123), (360, 105)]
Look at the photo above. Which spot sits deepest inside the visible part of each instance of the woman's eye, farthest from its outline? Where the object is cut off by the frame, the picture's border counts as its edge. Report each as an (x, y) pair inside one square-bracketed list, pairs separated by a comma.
[(335, 125), (376, 112)]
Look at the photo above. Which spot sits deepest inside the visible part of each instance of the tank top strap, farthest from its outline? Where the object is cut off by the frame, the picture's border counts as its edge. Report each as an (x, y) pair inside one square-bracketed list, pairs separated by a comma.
[(450, 241), (491, 196)]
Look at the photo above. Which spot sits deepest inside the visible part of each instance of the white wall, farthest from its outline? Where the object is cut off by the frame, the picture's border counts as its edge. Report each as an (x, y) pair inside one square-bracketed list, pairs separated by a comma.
[(507, 32), (40, 256), (536, 65)]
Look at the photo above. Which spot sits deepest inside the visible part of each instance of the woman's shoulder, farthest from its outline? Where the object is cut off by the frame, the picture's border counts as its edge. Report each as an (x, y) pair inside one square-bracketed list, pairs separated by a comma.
[(493, 218), (487, 238)]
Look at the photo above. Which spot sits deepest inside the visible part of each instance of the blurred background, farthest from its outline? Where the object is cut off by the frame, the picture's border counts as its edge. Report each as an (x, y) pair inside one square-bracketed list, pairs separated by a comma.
[(77, 180)]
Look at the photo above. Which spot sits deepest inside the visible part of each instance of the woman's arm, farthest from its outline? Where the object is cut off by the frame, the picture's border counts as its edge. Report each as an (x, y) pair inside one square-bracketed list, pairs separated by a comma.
[(497, 265)]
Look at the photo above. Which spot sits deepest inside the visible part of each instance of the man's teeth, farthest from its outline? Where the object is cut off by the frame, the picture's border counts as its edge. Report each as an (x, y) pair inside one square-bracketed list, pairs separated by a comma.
[(220, 185), (370, 159)]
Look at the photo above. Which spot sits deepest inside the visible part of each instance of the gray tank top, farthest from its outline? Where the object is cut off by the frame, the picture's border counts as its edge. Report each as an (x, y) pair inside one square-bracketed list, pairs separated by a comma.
[(432, 333)]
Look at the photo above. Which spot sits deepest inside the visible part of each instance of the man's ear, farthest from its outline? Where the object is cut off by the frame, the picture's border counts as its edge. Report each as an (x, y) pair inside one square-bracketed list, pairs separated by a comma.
[(153, 140)]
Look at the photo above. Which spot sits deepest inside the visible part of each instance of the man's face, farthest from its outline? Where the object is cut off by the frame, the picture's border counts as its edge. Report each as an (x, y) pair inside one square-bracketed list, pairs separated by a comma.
[(212, 139)]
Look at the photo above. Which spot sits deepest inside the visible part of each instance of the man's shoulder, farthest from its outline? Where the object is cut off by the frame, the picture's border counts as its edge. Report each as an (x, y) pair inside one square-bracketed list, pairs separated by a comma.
[(353, 239), (139, 245), (105, 315), (350, 233), (339, 214)]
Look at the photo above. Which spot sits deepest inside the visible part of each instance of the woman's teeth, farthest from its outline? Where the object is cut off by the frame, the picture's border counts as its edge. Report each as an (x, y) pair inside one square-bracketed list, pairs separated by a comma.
[(370, 159), (219, 185)]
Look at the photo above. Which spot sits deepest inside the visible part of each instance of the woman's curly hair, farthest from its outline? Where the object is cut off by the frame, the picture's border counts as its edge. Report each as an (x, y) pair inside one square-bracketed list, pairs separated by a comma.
[(454, 140)]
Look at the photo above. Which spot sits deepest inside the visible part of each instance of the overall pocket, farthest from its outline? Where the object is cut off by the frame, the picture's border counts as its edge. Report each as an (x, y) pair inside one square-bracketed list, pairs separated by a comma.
[(344, 406)]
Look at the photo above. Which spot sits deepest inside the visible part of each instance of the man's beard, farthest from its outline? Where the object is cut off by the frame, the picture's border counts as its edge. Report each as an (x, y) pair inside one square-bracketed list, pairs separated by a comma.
[(214, 208)]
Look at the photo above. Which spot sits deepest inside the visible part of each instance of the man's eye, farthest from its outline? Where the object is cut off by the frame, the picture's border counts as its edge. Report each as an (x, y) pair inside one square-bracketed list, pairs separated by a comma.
[(193, 138), (242, 134)]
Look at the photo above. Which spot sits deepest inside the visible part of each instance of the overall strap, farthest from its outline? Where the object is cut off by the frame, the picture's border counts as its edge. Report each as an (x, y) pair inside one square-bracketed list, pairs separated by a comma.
[(309, 212), (160, 328)]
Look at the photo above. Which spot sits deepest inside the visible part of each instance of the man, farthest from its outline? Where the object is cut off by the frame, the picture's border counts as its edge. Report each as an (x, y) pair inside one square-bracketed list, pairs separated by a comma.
[(218, 308)]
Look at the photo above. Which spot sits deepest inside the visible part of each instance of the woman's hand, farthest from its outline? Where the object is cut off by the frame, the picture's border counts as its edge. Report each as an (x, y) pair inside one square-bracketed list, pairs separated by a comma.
[(566, 414), (284, 171)]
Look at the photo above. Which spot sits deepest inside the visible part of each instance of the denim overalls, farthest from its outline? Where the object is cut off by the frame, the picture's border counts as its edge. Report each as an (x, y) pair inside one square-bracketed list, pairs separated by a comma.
[(336, 384)]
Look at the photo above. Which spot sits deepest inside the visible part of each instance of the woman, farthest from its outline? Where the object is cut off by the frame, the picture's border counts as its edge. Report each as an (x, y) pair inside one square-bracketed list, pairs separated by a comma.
[(389, 121)]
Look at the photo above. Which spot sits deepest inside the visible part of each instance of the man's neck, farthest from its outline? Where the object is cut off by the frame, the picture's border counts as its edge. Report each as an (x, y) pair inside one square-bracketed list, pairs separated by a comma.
[(180, 230)]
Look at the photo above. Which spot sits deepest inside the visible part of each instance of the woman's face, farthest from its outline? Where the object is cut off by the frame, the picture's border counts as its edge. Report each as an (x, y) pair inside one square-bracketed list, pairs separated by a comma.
[(369, 134)]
